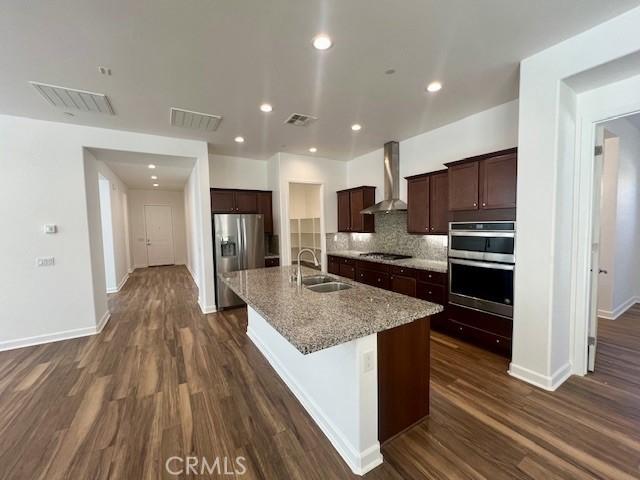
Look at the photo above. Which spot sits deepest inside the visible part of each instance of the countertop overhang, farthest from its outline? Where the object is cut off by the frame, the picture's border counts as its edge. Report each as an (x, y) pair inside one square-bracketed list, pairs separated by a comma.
[(313, 321)]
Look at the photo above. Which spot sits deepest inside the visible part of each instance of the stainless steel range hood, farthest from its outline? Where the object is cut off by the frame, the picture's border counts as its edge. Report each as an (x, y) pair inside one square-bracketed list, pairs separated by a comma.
[(391, 202)]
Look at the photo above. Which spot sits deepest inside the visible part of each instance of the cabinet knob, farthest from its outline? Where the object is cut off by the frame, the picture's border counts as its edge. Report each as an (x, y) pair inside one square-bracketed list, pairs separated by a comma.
[(460, 328), (430, 292), (475, 204), (429, 275), (484, 204), (432, 228), (497, 341)]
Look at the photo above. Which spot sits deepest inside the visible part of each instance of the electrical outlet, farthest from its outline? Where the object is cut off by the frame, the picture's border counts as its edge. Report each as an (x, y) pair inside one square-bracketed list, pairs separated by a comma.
[(45, 261), (368, 362)]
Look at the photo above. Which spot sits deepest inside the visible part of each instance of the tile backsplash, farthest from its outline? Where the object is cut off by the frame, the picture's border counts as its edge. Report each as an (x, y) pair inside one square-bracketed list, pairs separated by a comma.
[(391, 236)]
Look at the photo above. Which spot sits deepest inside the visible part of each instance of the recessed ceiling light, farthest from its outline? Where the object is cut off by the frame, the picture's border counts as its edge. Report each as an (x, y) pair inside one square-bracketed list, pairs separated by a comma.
[(434, 87), (313, 149), (356, 127), (266, 108), (156, 185), (151, 166), (322, 42), (391, 71), (154, 177), (239, 139)]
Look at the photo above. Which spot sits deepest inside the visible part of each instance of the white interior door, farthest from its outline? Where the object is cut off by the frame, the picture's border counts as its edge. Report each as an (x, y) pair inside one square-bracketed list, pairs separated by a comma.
[(159, 226), (595, 247)]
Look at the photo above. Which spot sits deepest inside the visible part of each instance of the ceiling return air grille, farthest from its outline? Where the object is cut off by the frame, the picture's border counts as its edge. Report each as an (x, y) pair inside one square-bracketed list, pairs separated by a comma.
[(194, 120), (72, 99), (300, 120)]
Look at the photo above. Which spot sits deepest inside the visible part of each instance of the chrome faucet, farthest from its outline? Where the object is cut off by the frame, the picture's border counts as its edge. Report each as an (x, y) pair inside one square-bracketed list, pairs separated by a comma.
[(299, 272)]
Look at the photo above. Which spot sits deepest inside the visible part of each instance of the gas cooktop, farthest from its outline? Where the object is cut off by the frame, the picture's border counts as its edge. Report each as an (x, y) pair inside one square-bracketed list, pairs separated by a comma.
[(384, 256)]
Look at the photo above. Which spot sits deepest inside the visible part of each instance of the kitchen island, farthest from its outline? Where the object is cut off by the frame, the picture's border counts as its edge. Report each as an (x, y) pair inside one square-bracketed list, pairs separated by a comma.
[(356, 359)]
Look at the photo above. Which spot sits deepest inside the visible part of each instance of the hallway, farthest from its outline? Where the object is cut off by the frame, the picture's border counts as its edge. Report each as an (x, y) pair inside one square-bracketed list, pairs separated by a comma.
[(164, 380)]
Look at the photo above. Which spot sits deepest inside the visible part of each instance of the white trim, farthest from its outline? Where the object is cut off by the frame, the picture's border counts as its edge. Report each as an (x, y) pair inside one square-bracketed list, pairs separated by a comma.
[(359, 462), (207, 309), (55, 337), (103, 322), (619, 310), (550, 383), (120, 285)]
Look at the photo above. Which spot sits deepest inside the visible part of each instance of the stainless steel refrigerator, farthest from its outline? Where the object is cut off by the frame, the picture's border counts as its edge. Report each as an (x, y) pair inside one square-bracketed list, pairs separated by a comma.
[(238, 245)]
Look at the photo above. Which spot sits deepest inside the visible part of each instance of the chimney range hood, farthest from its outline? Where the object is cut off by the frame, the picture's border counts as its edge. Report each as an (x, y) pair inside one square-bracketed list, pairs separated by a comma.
[(391, 202)]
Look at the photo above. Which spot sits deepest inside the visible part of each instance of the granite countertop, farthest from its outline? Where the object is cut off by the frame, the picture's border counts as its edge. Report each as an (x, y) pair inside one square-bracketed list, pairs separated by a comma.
[(419, 263), (313, 321), (271, 255)]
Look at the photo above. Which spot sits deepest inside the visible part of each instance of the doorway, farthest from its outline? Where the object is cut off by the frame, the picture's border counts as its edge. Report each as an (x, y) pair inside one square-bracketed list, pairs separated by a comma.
[(158, 221), (305, 223), (615, 287)]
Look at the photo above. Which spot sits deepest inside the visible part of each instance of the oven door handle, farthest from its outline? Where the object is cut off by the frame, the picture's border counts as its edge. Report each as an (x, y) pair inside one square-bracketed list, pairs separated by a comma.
[(484, 233), (473, 263)]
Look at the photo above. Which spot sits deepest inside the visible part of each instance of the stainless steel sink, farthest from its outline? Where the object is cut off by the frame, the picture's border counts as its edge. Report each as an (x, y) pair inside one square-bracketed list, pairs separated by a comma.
[(329, 287), (317, 279)]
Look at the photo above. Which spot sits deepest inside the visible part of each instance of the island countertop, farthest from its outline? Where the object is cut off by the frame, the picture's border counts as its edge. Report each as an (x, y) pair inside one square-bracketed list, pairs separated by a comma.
[(313, 321)]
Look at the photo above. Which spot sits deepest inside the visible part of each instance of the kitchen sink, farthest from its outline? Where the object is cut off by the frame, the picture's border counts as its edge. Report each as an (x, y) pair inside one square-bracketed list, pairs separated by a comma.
[(329, 287), (317, 279)]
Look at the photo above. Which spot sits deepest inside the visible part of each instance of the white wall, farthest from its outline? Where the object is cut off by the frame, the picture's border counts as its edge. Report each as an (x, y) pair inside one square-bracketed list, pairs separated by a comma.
[(106, 224), (620, 248), (237, 172), (42, 165), (487, 131), (545, 292), (137, 201)]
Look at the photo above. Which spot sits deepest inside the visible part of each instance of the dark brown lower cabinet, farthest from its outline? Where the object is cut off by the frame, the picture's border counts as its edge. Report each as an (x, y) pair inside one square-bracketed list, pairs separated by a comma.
[(403, 285), (271, 262), (333, 265), (347, 268), (403, 377), (491, 332)]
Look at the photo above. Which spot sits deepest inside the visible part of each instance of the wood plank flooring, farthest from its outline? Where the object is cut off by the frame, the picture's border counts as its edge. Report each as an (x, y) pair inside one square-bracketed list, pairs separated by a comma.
[(164, 380)]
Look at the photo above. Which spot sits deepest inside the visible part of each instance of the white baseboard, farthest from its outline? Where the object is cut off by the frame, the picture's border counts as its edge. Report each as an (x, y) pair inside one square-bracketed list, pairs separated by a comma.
[(207, 309), (55, 337), (619, 310), (359, 462), (550, 383), (119, 287)]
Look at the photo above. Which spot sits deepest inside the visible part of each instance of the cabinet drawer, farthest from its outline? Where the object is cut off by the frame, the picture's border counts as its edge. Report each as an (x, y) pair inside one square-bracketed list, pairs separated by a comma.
[(431, 293), (376, 267), (373, 278), (272, 262), (403, 285), (404, 271), (482, 338), (432, 277), (347, 261), (481, 320)]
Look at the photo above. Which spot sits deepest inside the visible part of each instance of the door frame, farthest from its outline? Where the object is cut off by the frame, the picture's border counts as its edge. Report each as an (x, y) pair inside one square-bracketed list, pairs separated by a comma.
[(285, 233), (146, 233), (590, 115)]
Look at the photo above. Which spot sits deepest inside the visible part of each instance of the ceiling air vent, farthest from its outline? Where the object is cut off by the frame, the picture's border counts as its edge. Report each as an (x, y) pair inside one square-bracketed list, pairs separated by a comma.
[(300, 120), (195, 120), (72, 99)]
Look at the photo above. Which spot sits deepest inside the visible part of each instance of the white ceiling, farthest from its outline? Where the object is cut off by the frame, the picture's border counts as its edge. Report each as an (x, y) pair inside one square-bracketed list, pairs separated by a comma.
[(133, 169), (227, 57)]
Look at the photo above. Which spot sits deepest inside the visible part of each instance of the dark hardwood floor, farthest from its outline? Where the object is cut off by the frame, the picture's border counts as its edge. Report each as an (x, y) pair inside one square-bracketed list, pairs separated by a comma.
[(164, 380)]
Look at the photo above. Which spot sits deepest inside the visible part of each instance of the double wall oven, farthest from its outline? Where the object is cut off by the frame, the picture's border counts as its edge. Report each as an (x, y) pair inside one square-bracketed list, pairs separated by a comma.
[(482, 265)]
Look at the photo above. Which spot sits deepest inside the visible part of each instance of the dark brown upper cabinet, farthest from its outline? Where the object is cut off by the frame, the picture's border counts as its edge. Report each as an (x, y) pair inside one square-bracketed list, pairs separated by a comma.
[(498, 181), (266, 209), (463, 186), (485, 182), (243, 201), (350, 203), (427, 203)]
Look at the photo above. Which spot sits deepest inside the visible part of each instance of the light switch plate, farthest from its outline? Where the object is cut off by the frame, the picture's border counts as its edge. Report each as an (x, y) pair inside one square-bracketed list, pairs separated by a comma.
[(368, 362), (50, 228), (45, 261)]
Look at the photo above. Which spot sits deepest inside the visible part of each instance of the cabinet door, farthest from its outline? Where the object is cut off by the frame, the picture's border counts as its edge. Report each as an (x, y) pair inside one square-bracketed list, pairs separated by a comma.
[(403, 285), (498, 181), (222, 201), (356, 199), (333, 265), (418, 205), (246, 202), (439, 203), (265, 208), (344, 212), (463, 186), (347, 270)]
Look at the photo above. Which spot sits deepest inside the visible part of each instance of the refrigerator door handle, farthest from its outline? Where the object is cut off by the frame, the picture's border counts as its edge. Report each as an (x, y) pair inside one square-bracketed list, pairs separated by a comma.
[(241, 246), (245, 263)]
